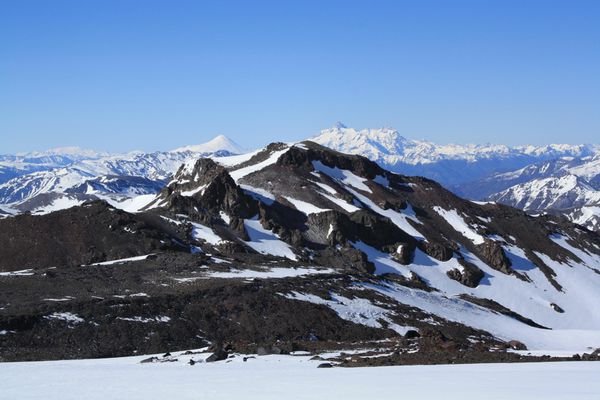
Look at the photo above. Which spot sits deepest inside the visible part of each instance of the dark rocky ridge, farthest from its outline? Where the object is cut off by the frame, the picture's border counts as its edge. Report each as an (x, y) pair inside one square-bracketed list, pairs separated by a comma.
[(82, 235)]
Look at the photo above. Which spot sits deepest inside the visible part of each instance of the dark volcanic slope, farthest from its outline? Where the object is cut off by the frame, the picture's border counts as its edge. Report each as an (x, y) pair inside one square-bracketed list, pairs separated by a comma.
[(301, 246), (81, 235)]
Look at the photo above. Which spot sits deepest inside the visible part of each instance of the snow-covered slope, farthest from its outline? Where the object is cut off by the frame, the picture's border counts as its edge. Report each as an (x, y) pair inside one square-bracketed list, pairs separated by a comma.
[(567, 185), (292, 377), (553, 193)]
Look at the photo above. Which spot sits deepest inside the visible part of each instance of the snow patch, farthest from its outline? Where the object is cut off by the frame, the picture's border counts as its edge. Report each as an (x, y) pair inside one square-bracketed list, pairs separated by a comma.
[(265, 241)]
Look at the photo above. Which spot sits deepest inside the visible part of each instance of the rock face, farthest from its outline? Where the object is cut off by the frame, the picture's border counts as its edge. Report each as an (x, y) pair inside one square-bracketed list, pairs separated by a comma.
[(205, 188), (83, 235), (436, 250), (297, 247), (492, 252)]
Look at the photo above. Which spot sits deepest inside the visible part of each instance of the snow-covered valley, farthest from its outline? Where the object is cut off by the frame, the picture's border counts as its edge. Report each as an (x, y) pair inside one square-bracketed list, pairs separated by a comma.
[(280, 377)]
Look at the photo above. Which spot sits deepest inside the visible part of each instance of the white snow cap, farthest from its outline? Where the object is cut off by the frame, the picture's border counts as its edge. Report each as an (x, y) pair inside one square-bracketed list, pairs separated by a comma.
[(220, 142)]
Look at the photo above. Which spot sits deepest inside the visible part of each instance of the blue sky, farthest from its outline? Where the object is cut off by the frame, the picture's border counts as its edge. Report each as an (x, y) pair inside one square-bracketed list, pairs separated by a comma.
[(122, 75)]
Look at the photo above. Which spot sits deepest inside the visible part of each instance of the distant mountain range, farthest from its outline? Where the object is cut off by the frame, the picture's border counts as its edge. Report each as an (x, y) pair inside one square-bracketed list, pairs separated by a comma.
[(556, 178), (46, 181)]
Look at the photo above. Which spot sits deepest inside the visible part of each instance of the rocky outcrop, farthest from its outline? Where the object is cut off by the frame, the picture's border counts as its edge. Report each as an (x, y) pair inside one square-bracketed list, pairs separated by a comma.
[(436, 250), (492, 253), (206, 188), (470, 275)]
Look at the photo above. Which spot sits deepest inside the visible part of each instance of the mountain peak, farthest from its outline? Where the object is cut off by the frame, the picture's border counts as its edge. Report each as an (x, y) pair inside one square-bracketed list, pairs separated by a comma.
[(220, 142)]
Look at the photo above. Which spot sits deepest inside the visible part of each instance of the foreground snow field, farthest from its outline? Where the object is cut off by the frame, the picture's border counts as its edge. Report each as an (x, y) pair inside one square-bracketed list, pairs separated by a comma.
[(293, 377)]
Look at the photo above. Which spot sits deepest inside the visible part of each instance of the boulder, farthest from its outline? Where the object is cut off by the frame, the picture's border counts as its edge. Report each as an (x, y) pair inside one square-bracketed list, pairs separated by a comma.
[(325, 365), (470, 276), (404, 253), (219, 355)]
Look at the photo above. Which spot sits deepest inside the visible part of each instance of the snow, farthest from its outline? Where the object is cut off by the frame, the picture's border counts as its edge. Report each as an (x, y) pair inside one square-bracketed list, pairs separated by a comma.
[(325, 187), (342, 175), (189, 193), (587, 216), (218, 143), (121, 260), (143, 320), (305, 207), (399, 219), (225, 217), (384, 263), (201, 232), (387, 147), (554, 192), (271, 273), (501, 326), (230, 161), (23, 272), (259, 194), (61, 203), (265, 241), (340, 202), (65, 316), (171, 220), (357, 310), (330, 230), (58, 176), (458, 223), (242, 172), (280, 376)]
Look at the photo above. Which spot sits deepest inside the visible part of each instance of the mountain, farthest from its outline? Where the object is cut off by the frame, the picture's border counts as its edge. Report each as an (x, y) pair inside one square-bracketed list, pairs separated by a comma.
[(554, 178), (219, 143), (451, 165), (12, 166), (86, 175), (567, 185), (298, 247)]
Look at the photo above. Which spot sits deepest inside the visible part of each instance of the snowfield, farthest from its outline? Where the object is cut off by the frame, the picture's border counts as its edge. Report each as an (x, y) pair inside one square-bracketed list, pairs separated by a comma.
[(293, 377)]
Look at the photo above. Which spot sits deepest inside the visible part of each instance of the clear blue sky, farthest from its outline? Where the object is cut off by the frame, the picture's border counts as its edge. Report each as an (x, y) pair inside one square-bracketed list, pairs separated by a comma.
[(121, 75)]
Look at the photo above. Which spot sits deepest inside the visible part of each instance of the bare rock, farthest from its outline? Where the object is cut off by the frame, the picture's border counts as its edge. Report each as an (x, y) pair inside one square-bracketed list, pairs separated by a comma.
[(436, 250), (493, 254), (470, 276), (325, 365)]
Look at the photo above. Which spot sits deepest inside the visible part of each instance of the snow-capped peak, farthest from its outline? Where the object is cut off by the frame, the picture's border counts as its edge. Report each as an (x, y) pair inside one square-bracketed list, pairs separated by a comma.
[(387, 146), (372, 143), (218, 143)]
